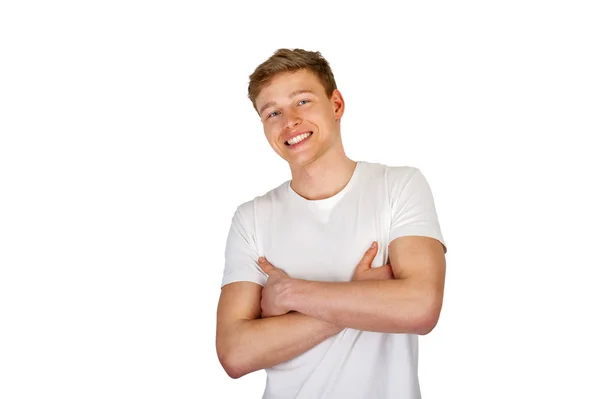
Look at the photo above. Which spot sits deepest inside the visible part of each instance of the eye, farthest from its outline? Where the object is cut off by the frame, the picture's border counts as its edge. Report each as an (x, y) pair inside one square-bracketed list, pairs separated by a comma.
[(272, 114), (302, 101)]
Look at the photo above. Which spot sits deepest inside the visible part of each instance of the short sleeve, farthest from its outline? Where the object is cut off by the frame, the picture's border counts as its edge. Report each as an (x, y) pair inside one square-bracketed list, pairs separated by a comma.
[(241, 254), (412, 205)]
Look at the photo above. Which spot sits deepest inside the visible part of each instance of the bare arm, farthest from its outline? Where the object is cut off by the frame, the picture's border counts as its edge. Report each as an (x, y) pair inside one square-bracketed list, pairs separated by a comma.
[(246, 342), (409, 303)]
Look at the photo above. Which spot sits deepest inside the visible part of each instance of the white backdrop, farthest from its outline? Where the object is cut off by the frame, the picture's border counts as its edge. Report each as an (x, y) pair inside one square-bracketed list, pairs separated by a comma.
[(127, 141)]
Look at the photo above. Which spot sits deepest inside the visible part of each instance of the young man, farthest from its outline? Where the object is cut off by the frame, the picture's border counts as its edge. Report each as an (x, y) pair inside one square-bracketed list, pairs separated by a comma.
[(302, 294)]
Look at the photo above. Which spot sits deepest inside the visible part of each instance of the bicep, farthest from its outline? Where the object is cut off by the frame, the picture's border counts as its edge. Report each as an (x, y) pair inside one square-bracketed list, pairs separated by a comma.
[(420, 259), (238, 301), (417, 249)]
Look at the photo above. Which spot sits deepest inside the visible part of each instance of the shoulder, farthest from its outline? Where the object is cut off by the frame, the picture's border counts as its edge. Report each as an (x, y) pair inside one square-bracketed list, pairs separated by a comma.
[(401, 183), (246, 210), (393, 174)]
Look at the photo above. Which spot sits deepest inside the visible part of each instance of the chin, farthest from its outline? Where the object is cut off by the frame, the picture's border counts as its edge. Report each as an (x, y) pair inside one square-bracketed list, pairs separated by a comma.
[(302, 161)]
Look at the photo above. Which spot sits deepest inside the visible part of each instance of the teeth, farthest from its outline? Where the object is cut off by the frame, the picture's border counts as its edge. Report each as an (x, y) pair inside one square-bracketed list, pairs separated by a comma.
[(298, 139)]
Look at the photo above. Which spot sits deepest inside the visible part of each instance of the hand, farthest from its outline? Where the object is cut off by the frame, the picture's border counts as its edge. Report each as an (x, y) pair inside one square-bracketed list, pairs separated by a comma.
[(273, 292), (364, 271)]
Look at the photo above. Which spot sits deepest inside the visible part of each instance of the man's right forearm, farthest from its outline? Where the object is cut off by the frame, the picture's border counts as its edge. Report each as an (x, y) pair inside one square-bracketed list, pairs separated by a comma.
[(250, 345)]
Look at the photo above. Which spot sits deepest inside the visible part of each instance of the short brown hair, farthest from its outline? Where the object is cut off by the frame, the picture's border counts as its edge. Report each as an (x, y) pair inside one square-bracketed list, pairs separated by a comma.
[(288, 60)]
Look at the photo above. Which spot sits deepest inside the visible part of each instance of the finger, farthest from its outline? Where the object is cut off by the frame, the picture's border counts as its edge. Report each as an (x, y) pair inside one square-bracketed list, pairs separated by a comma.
[(367, 259), (265, 266)]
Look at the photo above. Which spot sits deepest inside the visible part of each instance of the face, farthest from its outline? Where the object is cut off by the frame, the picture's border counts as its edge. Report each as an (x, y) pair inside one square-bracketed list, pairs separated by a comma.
[(300, 122)]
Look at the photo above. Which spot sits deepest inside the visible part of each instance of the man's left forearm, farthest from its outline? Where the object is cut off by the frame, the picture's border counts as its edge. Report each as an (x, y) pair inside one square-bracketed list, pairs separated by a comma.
[(393, 306)]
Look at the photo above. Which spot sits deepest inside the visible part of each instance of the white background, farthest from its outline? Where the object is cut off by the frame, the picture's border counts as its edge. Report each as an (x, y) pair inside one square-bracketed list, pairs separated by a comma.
[(127, 141)]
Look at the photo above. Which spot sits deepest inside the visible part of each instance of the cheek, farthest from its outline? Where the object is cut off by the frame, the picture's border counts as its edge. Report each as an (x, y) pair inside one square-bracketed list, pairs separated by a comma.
[(319, 116), (271, 133)]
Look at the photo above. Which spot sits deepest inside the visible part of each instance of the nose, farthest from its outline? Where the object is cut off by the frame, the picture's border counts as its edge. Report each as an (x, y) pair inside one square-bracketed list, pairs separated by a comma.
[(291, 120)]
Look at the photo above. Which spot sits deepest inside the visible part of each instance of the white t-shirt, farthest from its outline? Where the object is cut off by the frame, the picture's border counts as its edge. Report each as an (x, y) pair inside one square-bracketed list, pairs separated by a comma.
[(323, 240)]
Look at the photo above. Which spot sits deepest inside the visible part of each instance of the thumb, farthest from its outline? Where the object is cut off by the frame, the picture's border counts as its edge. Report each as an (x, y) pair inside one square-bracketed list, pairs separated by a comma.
[(265, 266), (367, 259)]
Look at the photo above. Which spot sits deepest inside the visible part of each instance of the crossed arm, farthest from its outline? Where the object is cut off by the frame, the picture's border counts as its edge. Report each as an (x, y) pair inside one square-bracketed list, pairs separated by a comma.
[(299, 314)]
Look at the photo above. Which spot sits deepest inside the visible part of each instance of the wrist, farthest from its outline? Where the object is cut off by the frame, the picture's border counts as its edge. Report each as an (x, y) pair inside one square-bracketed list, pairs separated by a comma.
[(291, 295), (296, 299)]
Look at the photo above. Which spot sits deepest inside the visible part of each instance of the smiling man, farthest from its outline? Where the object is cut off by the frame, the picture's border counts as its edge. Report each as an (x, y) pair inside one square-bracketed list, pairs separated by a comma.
[(330, 277)]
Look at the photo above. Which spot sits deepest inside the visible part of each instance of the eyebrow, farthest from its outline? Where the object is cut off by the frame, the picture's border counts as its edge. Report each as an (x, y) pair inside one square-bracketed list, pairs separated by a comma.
[(292, 94)]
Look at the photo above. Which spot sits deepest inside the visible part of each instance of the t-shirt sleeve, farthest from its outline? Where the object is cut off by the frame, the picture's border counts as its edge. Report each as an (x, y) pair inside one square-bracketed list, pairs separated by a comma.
[(241, 253), (412, 205)]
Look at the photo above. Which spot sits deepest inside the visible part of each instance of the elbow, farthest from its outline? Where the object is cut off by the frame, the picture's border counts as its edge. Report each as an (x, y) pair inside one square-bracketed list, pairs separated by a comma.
[(233, 371), (427, 318), (426, 324), (232, 367), (230, 362)]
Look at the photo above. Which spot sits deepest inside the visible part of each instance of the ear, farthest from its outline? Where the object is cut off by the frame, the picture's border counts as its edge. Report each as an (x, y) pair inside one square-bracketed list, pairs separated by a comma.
[(337, 102)]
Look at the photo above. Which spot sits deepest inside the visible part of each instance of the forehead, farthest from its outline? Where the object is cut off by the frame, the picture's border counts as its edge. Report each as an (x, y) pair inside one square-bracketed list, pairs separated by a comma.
[(285, 83)]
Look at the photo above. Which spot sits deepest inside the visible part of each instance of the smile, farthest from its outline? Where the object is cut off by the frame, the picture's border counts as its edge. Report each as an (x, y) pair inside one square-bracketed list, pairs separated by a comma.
[(297, 139)]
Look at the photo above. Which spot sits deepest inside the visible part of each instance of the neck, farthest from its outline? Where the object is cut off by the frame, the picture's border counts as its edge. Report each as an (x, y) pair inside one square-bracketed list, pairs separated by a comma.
[(324, 177)]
